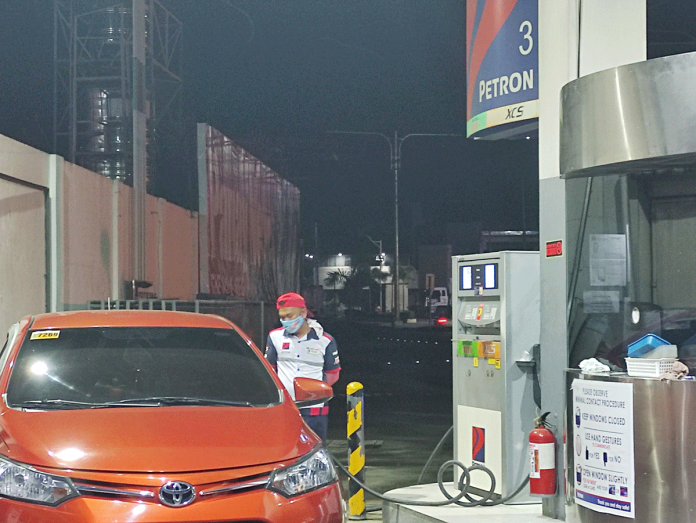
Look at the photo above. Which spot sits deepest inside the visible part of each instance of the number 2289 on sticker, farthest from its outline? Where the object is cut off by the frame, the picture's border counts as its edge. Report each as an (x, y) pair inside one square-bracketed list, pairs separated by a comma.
[(44, 335)]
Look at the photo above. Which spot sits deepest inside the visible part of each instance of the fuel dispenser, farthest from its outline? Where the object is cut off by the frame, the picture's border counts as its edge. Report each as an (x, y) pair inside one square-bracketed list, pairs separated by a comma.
[(495, 327)]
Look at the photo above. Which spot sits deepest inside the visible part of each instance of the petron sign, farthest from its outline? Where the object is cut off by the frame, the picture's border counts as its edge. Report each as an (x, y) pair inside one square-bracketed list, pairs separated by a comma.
[(501, 68)]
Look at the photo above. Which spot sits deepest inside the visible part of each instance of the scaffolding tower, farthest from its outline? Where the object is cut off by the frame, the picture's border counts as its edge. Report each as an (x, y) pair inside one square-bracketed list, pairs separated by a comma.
[(117, 92), (115, 62)]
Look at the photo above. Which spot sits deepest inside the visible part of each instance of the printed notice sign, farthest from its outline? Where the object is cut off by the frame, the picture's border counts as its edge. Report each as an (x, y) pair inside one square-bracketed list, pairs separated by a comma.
[(601, 302), (604, 475), (607, 259)]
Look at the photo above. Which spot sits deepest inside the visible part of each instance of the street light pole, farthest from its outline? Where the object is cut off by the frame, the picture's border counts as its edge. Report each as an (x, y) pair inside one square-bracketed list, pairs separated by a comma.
[(396, 160), (395, 156), (378, 243), (315, 268)]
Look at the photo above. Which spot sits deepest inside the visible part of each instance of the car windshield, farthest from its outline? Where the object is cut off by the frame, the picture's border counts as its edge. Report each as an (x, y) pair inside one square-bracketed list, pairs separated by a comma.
[(138, 366)]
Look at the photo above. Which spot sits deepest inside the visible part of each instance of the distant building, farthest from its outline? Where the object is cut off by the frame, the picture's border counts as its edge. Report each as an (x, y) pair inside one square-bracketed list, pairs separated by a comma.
[(494, 241), (434, 266)]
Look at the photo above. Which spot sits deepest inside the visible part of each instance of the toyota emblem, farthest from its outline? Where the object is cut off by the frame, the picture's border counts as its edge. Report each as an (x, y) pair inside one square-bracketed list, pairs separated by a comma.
[(177, 494)]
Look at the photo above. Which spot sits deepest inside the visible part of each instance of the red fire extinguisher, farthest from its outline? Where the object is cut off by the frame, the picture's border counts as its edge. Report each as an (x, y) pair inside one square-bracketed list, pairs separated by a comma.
[(542, 459)]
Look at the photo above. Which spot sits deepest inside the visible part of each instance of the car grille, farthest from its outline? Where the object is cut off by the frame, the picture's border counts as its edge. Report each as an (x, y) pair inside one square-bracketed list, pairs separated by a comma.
[(108, 490)]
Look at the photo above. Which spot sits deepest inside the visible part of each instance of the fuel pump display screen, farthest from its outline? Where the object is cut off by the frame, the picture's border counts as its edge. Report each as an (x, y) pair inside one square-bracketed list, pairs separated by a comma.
[(466, 281), (490, 276), (484, 276)]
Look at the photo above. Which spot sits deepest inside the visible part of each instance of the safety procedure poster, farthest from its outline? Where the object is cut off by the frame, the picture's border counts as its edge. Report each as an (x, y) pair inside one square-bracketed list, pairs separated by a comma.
[(604, 476)]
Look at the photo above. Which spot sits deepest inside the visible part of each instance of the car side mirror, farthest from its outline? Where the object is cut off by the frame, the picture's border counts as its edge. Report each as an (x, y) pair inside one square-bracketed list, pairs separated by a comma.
[(309, 391)]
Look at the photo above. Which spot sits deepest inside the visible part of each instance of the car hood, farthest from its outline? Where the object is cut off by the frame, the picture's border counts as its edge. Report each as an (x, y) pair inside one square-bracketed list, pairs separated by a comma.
[(155, 439)]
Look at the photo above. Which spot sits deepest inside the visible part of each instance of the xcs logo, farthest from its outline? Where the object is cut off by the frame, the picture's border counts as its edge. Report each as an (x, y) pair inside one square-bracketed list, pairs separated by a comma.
[(515, 112)]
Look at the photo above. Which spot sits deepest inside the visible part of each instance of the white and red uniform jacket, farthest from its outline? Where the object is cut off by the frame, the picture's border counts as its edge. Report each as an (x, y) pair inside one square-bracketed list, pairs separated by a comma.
[(312, 356)]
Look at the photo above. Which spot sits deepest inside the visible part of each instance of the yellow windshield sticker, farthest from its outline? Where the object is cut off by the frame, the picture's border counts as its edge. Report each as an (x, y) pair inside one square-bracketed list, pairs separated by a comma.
[(44, 335)]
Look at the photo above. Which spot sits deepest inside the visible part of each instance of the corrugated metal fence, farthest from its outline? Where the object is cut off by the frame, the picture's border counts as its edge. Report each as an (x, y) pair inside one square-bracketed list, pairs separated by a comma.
[(255, 318)]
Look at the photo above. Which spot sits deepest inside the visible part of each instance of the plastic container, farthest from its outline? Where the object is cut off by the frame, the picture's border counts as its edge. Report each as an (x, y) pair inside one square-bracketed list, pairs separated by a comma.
[(645, 344), (663, 351), (648, 368)]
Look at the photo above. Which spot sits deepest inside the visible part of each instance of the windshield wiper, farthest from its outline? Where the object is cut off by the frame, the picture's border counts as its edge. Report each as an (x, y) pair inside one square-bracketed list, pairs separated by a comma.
[(54, 404), (158, 401), (155, 401)]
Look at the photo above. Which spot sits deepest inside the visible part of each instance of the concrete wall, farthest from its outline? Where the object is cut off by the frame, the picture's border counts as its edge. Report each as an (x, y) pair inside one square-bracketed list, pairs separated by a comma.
[(22, 250), (87, 236), (23, 163), (98, 242), (23, 235), (66, 237), (174, 273)]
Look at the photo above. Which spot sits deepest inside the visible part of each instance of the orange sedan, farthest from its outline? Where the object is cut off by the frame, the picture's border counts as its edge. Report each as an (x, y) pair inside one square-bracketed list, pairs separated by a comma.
[(154, 416)]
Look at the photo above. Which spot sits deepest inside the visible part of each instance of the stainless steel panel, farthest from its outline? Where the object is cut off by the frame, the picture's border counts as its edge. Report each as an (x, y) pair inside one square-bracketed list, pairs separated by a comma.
[(634, 118), (664, 425)]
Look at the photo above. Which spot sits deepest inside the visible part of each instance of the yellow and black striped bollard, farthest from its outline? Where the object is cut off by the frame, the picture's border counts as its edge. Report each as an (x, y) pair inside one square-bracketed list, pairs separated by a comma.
[(356, 450)]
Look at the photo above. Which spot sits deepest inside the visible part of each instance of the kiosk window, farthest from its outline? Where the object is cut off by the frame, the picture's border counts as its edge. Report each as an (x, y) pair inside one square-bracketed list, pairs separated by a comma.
[(615, 303)]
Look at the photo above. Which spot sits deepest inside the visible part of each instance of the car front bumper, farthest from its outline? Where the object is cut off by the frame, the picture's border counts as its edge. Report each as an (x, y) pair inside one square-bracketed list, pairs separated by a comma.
[(325, 505)]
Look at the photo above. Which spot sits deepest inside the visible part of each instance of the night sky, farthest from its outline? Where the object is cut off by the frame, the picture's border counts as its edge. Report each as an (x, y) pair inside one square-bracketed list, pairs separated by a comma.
[(276, 75)]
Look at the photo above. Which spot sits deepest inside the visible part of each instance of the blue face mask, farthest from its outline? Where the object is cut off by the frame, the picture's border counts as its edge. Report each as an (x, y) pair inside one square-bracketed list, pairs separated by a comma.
[(292, 326)]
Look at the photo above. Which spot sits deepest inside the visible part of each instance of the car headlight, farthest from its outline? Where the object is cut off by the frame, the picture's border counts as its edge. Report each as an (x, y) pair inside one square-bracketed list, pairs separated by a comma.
[(313, 472), (24, 483)]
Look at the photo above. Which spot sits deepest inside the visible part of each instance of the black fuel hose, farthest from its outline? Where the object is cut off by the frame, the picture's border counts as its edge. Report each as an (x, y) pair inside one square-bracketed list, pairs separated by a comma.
[(463, 484), (432, 454)]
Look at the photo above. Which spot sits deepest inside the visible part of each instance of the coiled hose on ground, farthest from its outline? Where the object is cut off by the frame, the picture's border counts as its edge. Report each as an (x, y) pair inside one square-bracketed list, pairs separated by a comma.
[(462, 484)]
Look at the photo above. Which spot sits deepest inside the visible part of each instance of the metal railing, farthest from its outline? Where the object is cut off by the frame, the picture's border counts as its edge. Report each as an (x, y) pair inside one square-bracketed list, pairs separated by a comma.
[(255, 318)]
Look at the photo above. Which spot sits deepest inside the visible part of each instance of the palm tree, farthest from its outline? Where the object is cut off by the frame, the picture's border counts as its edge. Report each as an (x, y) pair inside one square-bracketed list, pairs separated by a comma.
[(406, 272), (359, 278), (356, 282), (332, 279), (335, 277)]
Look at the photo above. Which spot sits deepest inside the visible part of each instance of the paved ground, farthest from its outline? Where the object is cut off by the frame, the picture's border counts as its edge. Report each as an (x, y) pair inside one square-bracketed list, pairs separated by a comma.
[(406, 374)]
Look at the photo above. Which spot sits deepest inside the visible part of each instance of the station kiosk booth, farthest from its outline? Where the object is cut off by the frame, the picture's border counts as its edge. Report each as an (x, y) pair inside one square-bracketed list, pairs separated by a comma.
[(631, 249)]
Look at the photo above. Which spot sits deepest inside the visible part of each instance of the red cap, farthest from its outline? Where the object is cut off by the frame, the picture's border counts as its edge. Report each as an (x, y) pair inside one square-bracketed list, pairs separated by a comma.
[(290, 299)]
